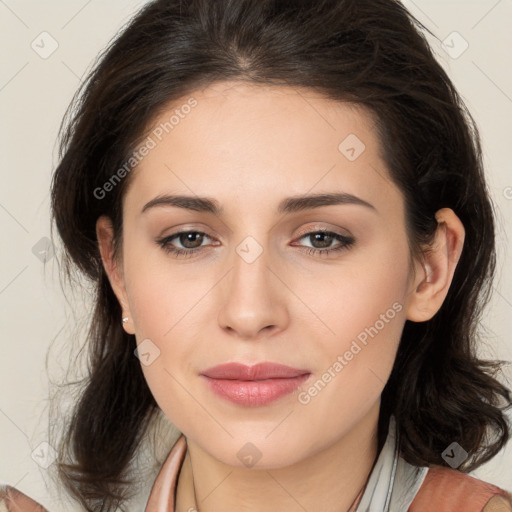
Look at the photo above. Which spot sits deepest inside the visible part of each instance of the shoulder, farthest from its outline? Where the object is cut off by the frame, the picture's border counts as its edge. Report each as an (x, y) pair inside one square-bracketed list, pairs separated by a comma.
[(498, 504), (453, 490), (12, 500)]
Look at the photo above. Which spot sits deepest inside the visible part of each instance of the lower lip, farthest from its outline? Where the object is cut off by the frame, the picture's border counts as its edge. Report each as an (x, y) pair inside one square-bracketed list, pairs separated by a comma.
[(254, 393)]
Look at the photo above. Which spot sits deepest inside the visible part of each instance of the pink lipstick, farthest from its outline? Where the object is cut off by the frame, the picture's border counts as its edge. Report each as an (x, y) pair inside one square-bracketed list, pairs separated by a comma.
[(253, 386)]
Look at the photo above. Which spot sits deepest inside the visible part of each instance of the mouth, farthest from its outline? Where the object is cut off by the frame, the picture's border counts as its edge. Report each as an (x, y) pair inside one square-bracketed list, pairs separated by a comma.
[(253, 386)]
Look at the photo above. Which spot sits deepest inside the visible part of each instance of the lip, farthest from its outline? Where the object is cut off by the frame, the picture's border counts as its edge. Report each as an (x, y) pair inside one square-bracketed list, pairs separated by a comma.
[(253, 386)]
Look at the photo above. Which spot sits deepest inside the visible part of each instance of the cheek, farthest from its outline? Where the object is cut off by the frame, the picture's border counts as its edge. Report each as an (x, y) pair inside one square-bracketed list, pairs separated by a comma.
[(359, 315), (362, 301), (162, 293), (169, 306)]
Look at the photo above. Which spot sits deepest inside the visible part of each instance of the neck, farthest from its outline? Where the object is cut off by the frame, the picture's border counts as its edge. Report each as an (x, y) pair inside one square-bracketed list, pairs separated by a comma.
[(331, 480)]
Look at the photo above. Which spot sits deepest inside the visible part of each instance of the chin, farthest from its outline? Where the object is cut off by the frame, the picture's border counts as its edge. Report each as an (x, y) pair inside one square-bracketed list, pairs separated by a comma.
[(257, 450)]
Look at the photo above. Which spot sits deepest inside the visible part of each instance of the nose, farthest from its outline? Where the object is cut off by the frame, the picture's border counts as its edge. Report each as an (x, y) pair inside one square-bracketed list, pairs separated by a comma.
[(253, 296)]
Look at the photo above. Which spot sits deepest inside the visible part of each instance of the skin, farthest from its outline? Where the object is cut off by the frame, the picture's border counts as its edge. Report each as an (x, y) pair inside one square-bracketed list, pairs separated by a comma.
[(249, 147)]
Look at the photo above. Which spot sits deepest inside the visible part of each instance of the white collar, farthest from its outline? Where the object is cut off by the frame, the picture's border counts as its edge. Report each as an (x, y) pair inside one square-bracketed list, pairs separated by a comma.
[(393, 483)]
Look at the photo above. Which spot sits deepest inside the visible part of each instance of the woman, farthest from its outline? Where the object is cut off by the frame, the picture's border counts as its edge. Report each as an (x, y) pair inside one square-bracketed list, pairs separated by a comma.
[(283, 209)]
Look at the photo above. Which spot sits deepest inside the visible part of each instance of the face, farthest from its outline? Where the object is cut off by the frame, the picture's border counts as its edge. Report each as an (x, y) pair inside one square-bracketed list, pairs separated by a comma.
[(321, 287)]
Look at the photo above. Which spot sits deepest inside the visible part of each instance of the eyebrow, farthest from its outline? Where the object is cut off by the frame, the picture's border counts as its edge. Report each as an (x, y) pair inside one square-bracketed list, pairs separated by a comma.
[(288, 205)]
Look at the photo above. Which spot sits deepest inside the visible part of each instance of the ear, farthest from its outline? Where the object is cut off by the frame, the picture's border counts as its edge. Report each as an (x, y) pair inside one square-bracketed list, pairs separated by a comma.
[(435, 273), (113, 268)]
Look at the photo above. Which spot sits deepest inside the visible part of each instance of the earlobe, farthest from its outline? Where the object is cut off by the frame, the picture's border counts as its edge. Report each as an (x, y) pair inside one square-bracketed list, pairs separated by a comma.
[(433, 281), (105, 237)]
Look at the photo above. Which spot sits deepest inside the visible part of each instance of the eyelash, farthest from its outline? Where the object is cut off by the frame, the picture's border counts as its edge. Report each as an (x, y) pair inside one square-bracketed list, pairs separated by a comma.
[(347, 242)]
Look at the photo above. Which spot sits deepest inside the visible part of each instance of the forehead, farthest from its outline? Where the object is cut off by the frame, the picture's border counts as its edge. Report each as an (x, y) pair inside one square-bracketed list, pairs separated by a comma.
[(249, 142)]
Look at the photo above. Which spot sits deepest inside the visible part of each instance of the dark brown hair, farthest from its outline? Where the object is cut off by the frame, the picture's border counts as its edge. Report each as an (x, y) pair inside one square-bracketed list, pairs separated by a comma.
[(369, 52)]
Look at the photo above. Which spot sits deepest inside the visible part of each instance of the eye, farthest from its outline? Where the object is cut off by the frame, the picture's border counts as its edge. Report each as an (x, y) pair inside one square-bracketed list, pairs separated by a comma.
[(322, 240), (191, 240)]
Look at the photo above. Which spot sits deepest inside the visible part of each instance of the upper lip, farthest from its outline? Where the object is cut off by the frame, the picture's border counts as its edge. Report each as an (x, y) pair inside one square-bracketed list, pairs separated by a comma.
[(258, 371)]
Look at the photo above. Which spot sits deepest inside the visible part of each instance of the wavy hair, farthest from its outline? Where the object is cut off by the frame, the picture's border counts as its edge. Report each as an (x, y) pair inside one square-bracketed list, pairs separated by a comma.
[(372, 53)]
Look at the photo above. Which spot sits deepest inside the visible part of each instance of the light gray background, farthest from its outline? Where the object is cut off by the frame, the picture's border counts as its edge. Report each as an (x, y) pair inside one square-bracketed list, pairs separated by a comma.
[(34, 93)]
